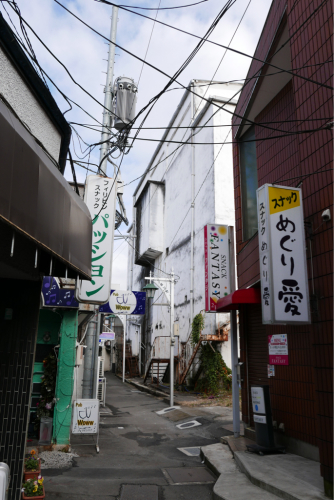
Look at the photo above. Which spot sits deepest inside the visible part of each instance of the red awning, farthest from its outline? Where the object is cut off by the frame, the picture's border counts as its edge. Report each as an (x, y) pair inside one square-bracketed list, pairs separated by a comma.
[(238, 299)]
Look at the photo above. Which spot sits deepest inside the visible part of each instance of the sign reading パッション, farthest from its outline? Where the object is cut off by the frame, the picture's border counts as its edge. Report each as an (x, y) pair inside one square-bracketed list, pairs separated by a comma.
[(85, 417), (278, 349), (100, 196), (283, 272), (217, 272)]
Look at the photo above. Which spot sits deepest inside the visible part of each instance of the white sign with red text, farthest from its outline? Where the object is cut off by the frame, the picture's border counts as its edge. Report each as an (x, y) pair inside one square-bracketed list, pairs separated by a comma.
[(217, 272), (278, 349)]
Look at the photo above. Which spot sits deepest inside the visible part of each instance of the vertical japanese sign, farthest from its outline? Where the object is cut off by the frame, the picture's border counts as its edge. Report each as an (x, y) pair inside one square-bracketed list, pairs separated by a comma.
[(217, 272), (100, 197), (283, 271)]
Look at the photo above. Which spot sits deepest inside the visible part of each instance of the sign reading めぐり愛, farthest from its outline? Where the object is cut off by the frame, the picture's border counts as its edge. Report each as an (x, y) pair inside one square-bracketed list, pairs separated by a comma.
[(217, 272), (85, 418), (278, 349), (283, 272)]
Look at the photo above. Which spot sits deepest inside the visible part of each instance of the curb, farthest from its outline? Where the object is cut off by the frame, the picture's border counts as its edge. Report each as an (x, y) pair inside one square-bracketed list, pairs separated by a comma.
[(154, 392)]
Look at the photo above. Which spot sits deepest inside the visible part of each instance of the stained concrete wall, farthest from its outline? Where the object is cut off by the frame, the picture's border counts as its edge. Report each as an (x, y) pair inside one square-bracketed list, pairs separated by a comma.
[(19, 95), (214, 204)]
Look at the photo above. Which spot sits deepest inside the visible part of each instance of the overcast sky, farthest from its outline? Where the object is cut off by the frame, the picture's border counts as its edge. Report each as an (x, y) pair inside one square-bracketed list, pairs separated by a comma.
[(84, 53)]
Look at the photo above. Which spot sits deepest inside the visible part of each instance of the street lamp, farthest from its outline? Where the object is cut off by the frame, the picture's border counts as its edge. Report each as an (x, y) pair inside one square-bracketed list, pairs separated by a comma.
[(150, 289)]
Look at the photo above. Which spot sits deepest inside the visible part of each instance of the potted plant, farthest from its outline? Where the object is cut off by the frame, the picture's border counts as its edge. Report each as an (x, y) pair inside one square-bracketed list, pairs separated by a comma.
[(33, 489), (32, 466)]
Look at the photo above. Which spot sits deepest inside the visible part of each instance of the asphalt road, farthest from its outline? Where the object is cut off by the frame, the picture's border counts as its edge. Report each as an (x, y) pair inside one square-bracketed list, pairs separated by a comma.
[(139, 457)]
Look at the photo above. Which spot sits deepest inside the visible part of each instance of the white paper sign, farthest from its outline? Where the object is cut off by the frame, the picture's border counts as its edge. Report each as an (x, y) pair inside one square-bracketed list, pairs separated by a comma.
[(100, 198), (260, 419), (283, 271), (85, 417), (258, 400), (217, 272)]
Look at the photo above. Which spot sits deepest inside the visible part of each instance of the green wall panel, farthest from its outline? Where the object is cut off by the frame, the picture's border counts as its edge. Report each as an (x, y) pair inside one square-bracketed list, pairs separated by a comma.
[(65, 377)]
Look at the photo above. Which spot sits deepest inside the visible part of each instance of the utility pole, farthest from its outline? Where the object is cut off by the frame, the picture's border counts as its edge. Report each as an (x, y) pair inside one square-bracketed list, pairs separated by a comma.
[(88, 375), (91, 354), (234, 341), (108, 94)]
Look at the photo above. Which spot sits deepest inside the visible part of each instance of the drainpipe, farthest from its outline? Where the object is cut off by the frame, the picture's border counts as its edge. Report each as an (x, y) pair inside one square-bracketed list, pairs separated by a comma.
[(192, 211), (134, 240)]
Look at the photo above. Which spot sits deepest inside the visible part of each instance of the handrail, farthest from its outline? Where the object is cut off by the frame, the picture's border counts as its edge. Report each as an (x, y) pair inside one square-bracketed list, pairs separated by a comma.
[(153, 347)]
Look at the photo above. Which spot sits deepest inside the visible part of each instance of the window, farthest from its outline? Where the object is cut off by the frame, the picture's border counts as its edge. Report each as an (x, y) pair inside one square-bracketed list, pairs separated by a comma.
[(248, 174)]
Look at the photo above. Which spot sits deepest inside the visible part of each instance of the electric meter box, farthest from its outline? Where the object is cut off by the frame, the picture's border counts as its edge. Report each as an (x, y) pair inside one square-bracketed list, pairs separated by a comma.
[(125, 103), (262, 416)]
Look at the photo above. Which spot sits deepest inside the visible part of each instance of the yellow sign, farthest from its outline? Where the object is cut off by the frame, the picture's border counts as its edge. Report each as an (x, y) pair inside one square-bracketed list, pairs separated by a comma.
[(281, 199)]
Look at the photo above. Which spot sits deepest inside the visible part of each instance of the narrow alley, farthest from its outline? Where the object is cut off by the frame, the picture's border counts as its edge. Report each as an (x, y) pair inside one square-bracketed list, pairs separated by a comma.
[(139, 456)]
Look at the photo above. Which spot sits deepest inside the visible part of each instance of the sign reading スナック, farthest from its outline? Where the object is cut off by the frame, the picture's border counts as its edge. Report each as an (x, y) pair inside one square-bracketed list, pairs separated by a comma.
[(100, 196), (278, 349), (85, 416), (283, 272), (217, 273)]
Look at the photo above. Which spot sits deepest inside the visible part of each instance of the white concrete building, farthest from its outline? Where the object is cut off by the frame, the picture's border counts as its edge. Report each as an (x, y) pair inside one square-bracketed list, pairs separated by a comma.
[(184, 188)]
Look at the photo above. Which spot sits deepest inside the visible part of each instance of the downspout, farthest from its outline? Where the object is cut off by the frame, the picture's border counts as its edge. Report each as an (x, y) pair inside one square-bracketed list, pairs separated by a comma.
[(192, 210), (134, 240)]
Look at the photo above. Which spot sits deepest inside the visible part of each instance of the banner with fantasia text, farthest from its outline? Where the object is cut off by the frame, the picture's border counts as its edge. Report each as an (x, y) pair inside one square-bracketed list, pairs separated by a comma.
[(217, 273)]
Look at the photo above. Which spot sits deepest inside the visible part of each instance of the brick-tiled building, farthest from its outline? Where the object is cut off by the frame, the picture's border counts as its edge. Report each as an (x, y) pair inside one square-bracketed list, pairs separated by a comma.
[(290, 97)]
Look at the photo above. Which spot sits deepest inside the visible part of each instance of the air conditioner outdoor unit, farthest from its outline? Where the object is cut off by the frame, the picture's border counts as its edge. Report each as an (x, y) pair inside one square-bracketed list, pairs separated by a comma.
[(101, 382), (101, 366)]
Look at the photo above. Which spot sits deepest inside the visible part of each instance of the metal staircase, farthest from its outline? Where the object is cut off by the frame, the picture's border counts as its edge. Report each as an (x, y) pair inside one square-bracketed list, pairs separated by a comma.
[(159, 359), (156, 370)]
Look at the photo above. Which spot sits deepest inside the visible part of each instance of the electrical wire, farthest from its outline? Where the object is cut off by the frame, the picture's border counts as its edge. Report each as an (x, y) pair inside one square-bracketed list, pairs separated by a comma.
[(148, 46), (146, 260), (162, 8), (279, 122), (183, 143), (174, 78), (209, 41), (151, 103), (22, 20)]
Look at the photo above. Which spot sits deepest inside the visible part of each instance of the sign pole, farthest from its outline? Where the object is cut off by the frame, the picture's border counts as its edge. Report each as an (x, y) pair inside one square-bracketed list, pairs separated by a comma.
[(234, 341), (124, 329), (172, 340)]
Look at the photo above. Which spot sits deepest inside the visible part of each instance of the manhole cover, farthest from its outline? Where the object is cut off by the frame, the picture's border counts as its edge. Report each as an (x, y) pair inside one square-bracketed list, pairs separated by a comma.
[(188, 425), (191, 452), (139, 492), (185, 475), (166, 410)]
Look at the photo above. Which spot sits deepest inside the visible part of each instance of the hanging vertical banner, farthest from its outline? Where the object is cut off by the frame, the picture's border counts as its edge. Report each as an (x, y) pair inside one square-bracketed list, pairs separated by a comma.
[(283, 271), (217, 273), (100, 198)]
